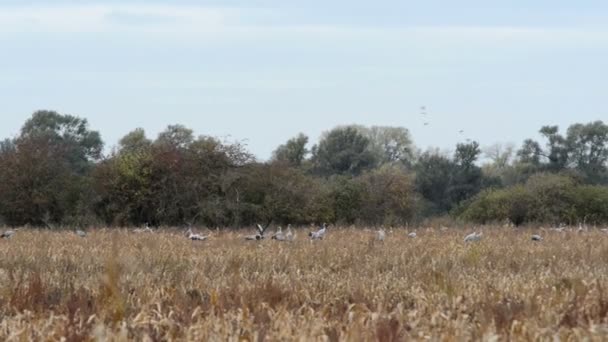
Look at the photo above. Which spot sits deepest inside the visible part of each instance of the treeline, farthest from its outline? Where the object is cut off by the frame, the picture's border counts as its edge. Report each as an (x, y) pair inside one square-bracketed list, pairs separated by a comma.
[(55, 173)]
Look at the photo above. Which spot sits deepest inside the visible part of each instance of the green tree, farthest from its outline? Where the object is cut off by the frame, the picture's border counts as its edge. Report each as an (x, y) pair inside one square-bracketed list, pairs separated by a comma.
[(293, 152), (588, 150), (433, 179), (467, 177), (343, 151), (70, 134), (135, 141)]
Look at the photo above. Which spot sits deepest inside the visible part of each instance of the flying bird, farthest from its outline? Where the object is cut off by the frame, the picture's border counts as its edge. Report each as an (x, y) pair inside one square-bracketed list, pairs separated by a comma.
[(260, 233), (411, 235), (81, 233), (537, 238)]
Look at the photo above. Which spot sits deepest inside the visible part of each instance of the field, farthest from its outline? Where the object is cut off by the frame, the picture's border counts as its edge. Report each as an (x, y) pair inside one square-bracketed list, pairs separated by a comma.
[(117, 285)]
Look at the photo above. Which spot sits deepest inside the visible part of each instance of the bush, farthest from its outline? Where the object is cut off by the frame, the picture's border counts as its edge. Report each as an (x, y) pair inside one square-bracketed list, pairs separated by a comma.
[(546, 198)]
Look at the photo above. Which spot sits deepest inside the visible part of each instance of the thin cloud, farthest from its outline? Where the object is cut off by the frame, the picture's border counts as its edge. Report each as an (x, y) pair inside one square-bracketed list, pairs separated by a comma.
[(198, 22), (113, 18)]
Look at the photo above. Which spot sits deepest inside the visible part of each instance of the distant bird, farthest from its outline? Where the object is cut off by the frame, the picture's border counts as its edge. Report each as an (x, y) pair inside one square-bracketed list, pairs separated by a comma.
[(412, 235), (260, 234), (380, 235), (290, 236), (537, 238), (81, 233), (473, 237), (461, 131), (319, 234), (7, 234), (581, 229), (146, 229), (426, 123), (278, 235), (195, 237)]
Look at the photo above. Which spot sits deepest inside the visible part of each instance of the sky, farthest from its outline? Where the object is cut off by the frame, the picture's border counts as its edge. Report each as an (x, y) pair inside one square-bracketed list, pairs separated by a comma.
[(263, 71)]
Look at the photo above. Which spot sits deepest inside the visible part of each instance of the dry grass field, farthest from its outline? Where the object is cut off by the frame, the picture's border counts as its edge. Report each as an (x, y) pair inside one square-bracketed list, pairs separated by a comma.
[(118, 286)]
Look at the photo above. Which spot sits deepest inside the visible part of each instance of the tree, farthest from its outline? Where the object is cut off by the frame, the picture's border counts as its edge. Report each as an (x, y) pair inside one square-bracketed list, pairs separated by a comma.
[(433, 178), (45, 170), (500, 155), (390, 145), (71, 134), (134, 141), (588, 149), (343, 151), (176, 136), (389, 196), (557, 149), (530, 153), (467, 177), (293, 152)]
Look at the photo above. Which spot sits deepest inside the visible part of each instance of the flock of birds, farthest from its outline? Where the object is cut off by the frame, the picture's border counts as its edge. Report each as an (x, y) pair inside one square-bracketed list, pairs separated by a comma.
[(426, 122), (318, 234)]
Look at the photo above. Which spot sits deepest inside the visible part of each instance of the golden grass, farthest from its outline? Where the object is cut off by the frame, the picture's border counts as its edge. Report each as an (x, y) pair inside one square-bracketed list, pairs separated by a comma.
[(118, 286)]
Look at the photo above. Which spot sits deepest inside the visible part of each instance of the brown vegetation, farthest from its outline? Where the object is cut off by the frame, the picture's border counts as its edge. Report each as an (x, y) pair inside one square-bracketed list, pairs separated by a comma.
[(117, 285)]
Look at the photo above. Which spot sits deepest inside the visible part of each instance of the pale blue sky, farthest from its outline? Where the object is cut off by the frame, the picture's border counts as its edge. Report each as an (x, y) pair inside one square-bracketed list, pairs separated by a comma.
[(266, 70)]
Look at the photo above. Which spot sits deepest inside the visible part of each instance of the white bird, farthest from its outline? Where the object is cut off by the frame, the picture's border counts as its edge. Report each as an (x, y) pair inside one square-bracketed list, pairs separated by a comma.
[(581, 229), (80, 233), (537, 238), (259, 235), (146, 229), (290, 236), (473, 237), (411, 235), (278, 235), (195, 237), (380, 235), (319, 234), (7, 234)]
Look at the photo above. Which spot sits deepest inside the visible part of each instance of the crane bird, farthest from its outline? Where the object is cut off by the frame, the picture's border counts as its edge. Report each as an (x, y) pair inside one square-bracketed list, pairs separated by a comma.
[(80, 233), (473, 237), (7, 234), (146, 229), (278, 235), (260, 233), (411, 235), (319, 234), (537, 238), (290, 236), (380, 235), (195, 237)]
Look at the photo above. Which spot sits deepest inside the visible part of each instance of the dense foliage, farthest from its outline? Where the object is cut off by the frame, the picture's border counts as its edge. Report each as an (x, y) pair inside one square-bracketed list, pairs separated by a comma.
[(55, 173)]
